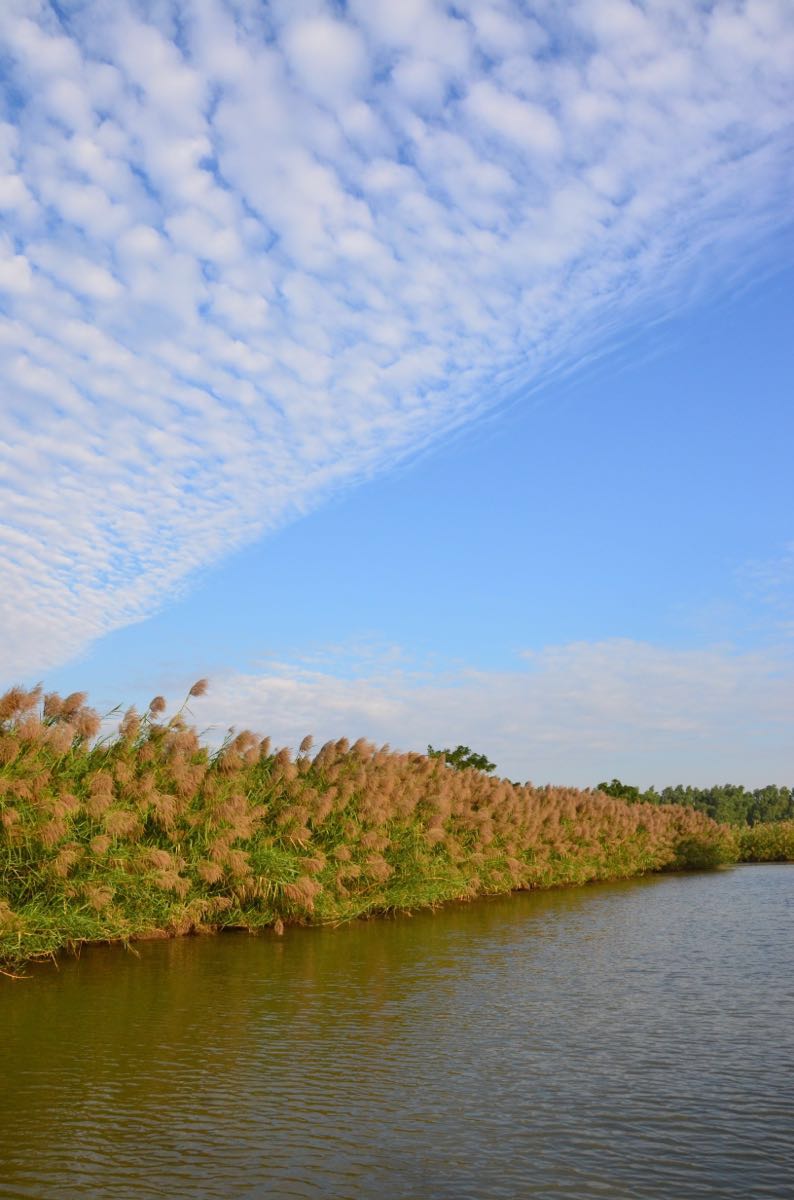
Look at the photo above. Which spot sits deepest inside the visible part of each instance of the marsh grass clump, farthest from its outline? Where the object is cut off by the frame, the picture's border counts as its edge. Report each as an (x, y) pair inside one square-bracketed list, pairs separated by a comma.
[(771, 841), (150, 831)]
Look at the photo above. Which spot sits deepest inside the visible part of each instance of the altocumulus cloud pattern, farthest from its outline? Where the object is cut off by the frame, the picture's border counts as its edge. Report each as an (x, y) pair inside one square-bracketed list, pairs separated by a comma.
[(251, 252)]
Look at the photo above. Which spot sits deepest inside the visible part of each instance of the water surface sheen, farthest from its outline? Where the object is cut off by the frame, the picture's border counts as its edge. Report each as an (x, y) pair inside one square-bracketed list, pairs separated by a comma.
[(625, 1040)]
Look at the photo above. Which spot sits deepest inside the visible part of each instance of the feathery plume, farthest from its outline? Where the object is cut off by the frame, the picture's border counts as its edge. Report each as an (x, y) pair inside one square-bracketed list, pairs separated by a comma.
[(72, 705)]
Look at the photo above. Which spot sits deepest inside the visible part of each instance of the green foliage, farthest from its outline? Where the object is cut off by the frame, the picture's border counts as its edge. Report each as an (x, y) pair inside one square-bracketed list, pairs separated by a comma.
[(621, 791), (729, 804), (148, 832), (772, 842), (462, 758), (701, 854)]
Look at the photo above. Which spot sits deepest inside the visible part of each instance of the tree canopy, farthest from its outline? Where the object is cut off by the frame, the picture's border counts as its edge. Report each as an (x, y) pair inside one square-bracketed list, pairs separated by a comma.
[(463, 758), (729, 803)]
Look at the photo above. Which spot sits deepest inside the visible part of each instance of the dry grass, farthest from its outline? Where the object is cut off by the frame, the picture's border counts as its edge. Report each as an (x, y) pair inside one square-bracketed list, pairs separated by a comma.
[(150, 830)]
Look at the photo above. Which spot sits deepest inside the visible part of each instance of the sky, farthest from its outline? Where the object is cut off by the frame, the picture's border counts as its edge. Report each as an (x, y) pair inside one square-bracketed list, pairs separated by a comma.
[(420, 371)]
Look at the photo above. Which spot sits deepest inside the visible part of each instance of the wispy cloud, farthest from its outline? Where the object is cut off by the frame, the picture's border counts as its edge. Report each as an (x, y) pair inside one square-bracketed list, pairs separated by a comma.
[(769, 584), (253, 252), (574, 713)]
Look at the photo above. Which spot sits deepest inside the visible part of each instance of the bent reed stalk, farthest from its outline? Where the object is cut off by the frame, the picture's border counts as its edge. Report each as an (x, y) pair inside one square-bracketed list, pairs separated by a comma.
[(149, 832)]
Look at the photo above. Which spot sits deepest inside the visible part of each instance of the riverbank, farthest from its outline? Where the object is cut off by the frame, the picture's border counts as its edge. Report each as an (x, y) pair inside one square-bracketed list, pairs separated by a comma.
[(151, 833)]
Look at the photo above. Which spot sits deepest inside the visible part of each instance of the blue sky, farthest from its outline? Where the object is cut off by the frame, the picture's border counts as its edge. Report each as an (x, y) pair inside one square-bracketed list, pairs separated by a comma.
[(416, 371)]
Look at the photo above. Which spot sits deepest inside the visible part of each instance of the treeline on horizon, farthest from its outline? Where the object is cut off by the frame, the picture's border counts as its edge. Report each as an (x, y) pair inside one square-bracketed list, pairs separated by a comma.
[(151, 832), (727, 803)]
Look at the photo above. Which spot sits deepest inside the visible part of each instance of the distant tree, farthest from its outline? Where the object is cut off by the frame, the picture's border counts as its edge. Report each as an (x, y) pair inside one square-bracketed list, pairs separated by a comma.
[(771, 804), (621, 791), (462, 758), (729, 803)]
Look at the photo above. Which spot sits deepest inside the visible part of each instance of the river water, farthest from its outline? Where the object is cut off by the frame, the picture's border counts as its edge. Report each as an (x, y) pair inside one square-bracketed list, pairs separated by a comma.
[(621, 1040)]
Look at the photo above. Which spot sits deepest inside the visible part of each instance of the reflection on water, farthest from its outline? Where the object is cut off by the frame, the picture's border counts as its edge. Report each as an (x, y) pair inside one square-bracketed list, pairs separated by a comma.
[(626, 1040)]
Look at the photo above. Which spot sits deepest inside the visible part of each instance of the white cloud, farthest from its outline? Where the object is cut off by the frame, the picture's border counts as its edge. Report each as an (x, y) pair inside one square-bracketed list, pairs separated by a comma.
[(78, 274), (16, 276), (253, 252), (514, 119), (327, 56), (571, 714), (770, 584)]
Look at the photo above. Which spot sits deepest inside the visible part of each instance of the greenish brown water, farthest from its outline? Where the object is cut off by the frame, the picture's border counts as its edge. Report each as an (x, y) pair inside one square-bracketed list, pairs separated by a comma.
[(627, 1040)]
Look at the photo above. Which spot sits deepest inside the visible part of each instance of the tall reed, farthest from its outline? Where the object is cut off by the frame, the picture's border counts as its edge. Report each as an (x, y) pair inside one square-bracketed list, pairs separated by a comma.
[(151, 832), (769, 842)]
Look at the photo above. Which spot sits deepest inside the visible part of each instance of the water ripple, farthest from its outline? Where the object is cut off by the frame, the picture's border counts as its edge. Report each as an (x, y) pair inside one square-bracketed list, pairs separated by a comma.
[(629, 1040)]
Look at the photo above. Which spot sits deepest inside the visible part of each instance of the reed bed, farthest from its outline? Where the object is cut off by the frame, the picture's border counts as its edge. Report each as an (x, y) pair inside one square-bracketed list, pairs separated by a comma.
[(772, 841), (151, 833)]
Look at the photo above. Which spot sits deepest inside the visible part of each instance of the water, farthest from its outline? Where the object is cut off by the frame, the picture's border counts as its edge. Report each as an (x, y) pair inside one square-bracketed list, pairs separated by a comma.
[(627, 1040)]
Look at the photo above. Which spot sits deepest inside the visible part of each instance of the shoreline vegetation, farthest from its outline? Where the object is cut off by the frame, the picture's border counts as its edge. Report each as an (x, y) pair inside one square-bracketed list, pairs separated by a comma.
[(728, 803), (151, 833)]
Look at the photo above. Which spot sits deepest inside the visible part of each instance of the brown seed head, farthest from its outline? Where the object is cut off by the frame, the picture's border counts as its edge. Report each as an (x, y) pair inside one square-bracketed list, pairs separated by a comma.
[(88, 724), (72, 705), (210, 872), (303, 891), (67, 802), (65, 860), (98, 897), (30, 729), (60, 737), (130, 724), (171, 881), (18, 700), (53, 704), (236, 862), (118, 822), (9, 749), (101, 782)]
